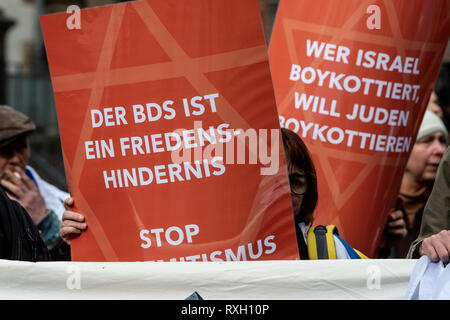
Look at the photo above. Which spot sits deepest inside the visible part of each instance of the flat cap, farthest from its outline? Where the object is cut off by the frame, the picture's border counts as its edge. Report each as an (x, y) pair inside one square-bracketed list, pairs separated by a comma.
[(13, 124)]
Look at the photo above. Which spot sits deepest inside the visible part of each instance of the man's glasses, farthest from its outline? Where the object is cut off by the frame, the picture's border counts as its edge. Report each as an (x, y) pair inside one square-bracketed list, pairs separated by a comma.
[(298, 183)]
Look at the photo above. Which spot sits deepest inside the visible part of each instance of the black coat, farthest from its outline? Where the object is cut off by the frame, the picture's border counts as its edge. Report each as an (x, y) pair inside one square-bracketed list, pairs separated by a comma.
[(19, 237)]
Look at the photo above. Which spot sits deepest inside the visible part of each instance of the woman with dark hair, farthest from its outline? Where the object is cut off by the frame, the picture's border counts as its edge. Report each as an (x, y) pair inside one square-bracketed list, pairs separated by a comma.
[(302, 176), (318, 242)]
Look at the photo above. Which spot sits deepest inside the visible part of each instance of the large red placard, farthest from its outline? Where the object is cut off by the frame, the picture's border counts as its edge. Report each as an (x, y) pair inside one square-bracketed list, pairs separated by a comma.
[(144, 91), (353, 79)]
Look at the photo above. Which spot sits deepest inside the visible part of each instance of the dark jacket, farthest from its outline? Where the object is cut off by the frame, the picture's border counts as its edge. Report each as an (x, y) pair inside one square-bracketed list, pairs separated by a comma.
[(19, 237)]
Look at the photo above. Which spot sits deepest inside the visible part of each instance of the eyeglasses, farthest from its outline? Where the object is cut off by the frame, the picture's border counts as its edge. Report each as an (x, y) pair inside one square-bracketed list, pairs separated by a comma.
[(298, 183)]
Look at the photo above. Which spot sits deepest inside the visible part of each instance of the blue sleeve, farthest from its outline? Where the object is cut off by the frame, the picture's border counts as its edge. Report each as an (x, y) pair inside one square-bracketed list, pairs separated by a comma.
[(49, 229)]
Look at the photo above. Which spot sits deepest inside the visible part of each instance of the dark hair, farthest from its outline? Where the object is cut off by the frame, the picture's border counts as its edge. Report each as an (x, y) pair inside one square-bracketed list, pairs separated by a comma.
[(297, 155), (442, 85)]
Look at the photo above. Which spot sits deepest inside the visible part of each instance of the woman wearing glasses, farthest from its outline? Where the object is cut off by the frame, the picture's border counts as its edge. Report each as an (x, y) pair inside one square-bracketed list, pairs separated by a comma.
[(312, 241)]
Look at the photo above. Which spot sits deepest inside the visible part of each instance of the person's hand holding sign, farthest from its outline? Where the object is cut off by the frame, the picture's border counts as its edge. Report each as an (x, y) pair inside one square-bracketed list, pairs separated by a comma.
[(72, 223)]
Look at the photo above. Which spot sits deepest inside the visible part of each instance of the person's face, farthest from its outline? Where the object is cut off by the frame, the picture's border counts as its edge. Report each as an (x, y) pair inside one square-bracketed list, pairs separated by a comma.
[(298, 184), (15, 154), (426, 156), (434, 106)]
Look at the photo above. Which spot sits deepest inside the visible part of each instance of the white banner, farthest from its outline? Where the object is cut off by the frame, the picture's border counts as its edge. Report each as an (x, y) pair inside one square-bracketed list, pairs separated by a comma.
[(255, 280)]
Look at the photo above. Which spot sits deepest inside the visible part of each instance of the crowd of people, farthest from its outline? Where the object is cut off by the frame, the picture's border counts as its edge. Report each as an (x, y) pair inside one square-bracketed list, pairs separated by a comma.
[(38, 222)]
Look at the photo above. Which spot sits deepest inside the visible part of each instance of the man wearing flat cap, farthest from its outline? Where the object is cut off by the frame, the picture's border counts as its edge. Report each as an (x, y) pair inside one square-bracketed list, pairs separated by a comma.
[(42, 201)]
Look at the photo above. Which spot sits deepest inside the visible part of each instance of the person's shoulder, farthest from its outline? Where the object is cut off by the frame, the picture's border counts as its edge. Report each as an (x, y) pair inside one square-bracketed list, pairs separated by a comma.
[(446, 157), (444, 166), (41, 182)]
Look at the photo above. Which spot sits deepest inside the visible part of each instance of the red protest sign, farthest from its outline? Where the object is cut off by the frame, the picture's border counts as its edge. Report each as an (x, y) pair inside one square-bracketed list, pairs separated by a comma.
[(169, 132), (353, 78)]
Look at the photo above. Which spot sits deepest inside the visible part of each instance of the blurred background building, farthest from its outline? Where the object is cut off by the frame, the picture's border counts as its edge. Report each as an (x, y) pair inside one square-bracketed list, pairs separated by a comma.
[(25, 81)]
